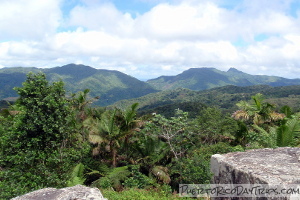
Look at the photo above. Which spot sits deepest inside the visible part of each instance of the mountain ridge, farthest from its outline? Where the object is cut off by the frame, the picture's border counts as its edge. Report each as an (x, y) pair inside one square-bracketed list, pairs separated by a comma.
[(110, 85), (207, 78), (113, 86)]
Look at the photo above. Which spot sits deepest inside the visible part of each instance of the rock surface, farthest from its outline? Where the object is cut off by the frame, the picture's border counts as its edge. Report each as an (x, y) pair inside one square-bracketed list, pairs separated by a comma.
[(280, 166), (78, 192)]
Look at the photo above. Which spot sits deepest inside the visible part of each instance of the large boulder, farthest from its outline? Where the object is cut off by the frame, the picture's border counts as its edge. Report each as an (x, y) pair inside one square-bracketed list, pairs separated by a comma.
[(262, 166), (278, 167), (78, 192)]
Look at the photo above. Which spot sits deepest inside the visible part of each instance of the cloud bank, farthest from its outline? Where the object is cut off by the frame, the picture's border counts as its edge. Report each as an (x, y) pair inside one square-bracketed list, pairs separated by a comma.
[(257, 36)]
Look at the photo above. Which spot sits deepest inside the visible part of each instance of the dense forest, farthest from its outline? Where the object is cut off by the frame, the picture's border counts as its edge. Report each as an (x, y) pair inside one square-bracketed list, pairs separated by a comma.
[(49, 138)]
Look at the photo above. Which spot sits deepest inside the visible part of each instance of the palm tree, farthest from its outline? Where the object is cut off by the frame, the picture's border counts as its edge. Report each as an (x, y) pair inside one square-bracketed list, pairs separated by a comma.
[(257, 111), (104, 131), (128, 123), (113, 128), (79, 102)]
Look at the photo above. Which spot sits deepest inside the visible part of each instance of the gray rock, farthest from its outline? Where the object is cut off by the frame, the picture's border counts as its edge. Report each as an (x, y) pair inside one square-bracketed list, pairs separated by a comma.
[(280, 166), (78, 192)]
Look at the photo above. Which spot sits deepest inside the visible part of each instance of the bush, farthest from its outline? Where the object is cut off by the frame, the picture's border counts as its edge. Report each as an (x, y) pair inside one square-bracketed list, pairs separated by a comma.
[(138, 194), (195, 167), (137, 179)]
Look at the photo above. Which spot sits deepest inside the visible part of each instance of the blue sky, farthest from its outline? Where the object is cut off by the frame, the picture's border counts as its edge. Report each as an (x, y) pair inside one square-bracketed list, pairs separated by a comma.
[(149, 38)]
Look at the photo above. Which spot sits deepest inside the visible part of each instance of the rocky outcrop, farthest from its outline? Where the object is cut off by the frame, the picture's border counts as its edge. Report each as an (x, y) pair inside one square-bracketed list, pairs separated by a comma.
[(280, 166), (78, 192)]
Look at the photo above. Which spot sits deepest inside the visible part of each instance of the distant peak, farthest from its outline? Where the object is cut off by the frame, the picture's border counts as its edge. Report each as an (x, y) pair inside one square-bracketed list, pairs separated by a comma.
[(75, 65), (234, 70)]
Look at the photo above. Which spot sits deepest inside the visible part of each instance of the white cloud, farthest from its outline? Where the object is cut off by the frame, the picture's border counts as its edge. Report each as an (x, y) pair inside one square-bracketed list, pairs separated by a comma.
[(101, 17), (91, 43), (292, 49), (184, 22), (28, 19), (168, 39)]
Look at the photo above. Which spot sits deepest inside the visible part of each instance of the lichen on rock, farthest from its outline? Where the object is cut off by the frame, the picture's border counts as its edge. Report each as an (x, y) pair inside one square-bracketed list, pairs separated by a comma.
[(78, 192)]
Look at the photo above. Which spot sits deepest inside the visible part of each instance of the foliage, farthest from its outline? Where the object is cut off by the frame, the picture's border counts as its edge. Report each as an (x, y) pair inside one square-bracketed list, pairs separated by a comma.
[(172, 131), (265, 127), (49, 140), (165, 102), (115, 178), (77, 176), (259, 112), (44, 118), (41, 145), (211, 127), (286, 134), (191, 170), (112, 130), (139, 194), (260, 138), (137, 179), (149, 150), (195, 167), (289, 132)]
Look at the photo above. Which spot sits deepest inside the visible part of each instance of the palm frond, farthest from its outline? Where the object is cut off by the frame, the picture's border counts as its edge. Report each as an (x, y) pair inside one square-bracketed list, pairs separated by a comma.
[(265, 138), (96, 139), (258, 99), (117, 175), (286, 110), (77, 176), (275, 116), (240, 114), (244, 105), (152, 149), (287, 132)]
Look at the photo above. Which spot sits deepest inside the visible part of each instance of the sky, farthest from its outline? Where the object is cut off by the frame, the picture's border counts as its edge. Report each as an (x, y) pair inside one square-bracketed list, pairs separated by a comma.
[(150, 38)]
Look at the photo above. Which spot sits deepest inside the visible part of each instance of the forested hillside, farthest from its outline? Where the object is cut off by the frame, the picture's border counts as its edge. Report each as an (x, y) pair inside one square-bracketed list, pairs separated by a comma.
[(49, 139), (165, 102), (109, 85)]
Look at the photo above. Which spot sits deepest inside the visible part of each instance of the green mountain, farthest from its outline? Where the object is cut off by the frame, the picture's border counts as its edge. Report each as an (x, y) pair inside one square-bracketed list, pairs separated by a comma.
[(113, 86), (110, 85), (206, 78)]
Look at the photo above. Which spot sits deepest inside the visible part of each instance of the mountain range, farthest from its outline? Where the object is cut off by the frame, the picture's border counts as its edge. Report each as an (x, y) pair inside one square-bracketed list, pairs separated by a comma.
[(207, 78), (113, 86)]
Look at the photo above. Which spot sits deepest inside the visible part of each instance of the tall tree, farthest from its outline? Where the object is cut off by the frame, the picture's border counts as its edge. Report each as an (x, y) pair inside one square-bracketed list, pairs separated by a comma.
[(211, 127), (41, 146), (172, 131), (45, 115)]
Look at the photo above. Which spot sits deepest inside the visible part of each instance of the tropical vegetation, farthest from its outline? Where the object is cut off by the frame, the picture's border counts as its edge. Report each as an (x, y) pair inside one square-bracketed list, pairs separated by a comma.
[(50, 138)]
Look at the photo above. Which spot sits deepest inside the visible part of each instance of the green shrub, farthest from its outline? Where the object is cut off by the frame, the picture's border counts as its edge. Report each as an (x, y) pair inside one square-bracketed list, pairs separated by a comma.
[(138, 194), (137, 179), (105, 183)]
